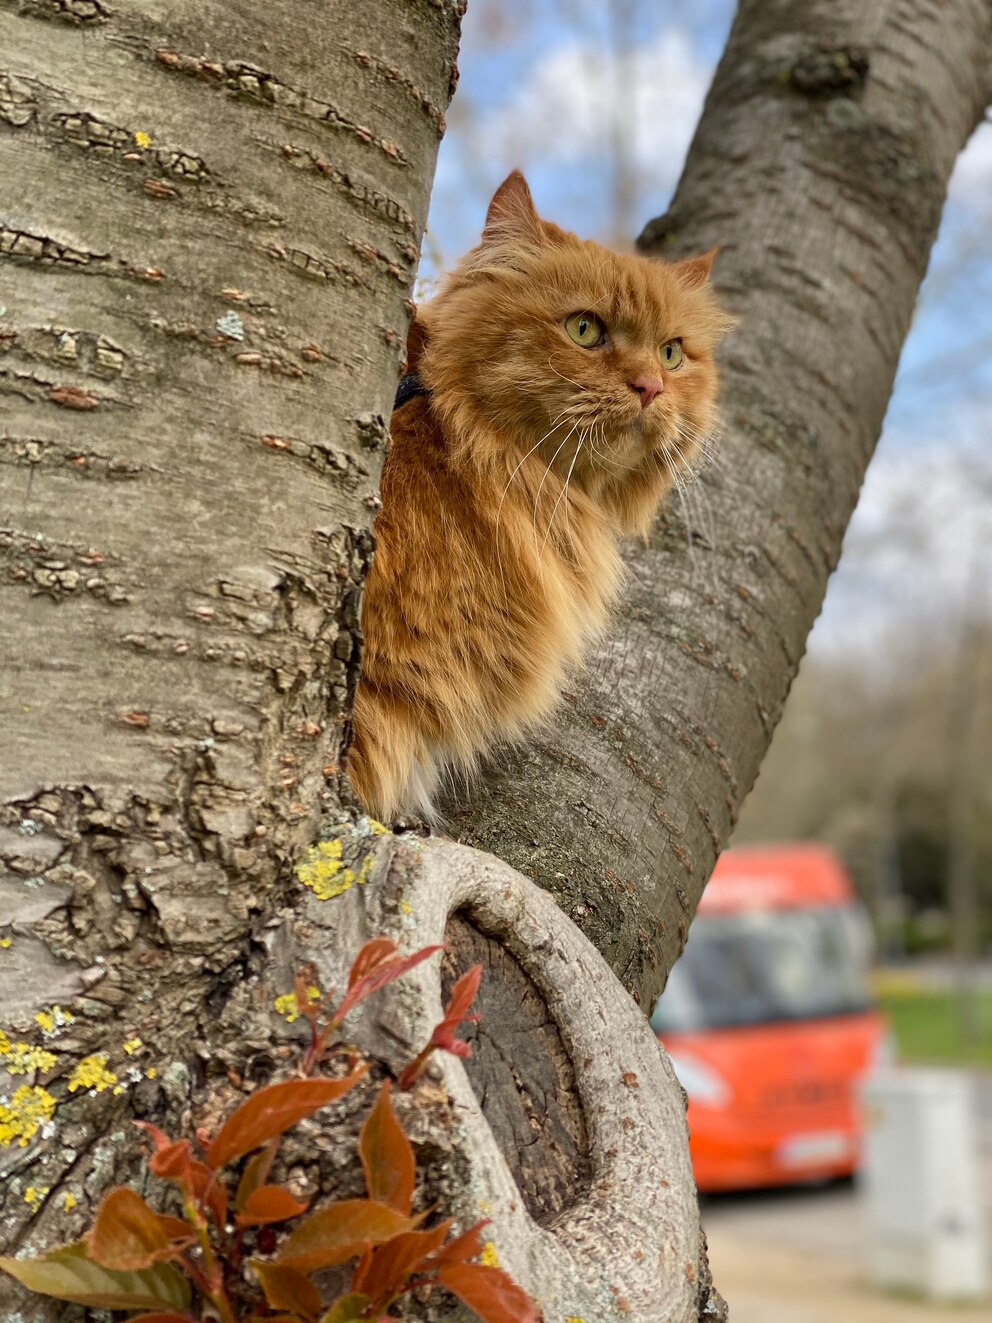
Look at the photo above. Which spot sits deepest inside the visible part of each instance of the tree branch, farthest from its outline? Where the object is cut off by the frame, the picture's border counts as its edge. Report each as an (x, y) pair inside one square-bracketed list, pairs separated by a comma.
[(820, 167)]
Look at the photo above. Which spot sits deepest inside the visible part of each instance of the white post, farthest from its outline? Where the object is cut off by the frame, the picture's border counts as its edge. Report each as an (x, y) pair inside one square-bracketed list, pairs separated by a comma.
[(923, 1185)]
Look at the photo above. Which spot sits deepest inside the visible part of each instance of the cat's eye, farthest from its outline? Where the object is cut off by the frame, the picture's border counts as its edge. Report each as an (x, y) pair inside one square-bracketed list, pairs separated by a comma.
[(671, 354), (585, 329)]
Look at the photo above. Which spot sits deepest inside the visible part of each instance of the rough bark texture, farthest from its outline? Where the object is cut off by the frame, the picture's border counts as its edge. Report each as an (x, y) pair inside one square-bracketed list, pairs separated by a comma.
[(820, 167), (203, 271), (209, 225)]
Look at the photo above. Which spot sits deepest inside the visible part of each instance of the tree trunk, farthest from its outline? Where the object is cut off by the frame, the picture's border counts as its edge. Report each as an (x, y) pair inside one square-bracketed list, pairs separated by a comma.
[(218, 217), (204, 272)]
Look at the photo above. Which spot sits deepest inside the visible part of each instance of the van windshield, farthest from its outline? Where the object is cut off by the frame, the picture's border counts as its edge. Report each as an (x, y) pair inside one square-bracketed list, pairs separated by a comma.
[(768, 965)]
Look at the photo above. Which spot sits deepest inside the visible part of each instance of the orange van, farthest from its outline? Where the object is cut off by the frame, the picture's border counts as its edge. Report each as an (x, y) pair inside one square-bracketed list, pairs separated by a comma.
[(769, 1022)]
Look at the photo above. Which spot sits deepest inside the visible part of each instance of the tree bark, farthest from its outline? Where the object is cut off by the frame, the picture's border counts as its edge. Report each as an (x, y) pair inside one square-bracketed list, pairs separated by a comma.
[(819, 167), (210, 224), (204, 274)]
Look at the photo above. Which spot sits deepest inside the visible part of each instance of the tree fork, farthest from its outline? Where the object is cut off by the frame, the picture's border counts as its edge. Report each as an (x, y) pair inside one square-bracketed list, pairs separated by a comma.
[(819, 168)]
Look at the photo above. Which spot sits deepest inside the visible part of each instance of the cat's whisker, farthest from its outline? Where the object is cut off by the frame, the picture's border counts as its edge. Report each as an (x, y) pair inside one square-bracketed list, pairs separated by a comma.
[(499, 508), (677, 483), (537, 496), (697, 492), (562, 493), (577, 384)]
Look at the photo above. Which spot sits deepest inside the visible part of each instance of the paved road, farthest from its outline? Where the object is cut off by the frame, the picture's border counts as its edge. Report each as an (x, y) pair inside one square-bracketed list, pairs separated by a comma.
[(795, 1256)]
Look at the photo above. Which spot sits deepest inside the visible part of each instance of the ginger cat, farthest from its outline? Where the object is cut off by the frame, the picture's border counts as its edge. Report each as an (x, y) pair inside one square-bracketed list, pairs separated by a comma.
[(561, 387)]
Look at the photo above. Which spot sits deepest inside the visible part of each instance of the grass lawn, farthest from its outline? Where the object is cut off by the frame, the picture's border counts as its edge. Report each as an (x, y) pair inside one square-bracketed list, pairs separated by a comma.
[(925, 1024)]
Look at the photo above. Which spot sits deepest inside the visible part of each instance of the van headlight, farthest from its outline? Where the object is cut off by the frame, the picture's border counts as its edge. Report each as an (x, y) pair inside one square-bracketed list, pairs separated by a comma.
[(700, 1081)]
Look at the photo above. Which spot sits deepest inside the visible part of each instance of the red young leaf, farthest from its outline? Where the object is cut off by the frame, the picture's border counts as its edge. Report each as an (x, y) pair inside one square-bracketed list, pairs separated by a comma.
[(270, 1111), (209, 1190), (361, 1270), (127, 1234), (387, 1158), (162, 1318), (256, 1172), (339, 1232), (171, 1157), (395, 1261), (176, 1228), (269, 1203), (158, 1137), (68, 1273), (443, 1038), (463, 994), (464, 1247), (377, 975), (373, 953), (489, 1293), (285, 1288)]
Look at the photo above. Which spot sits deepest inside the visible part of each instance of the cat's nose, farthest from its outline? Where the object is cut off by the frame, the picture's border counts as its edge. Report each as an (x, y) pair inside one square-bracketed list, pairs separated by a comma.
[(647, 388)]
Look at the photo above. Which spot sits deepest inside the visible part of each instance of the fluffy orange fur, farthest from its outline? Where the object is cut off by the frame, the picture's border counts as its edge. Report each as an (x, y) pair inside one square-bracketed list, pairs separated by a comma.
[(507, 488)]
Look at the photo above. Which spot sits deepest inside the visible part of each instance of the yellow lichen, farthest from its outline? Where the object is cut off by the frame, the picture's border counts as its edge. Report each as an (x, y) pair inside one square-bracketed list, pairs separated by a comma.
[(92, 1073), (406, 907), (4, 942), (573, 1318), (142, 139), (132, 1045), (29, 1108), (54, 1020), (286, 1004), (68, 1201), (24, 1058), (365, 870), (151, 1073), (488, 1255), (323, 871), (34, 1194)]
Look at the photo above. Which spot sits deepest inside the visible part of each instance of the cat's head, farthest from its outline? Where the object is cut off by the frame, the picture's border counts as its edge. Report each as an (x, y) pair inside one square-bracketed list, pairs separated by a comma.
[(602, 361)]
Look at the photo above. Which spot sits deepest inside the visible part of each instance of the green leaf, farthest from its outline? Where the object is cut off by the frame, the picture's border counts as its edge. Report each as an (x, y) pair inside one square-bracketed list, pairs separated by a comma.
[(387, 1158), (348, 1309), (68, 1273), (340, 1232), (489, 1293), (270, 1111)]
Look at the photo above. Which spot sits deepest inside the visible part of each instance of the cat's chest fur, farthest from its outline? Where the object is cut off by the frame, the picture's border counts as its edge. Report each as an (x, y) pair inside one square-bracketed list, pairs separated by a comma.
[(487, 585)]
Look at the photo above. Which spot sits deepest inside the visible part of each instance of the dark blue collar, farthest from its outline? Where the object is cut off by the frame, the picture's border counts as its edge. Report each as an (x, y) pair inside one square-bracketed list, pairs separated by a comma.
[(409, 386)]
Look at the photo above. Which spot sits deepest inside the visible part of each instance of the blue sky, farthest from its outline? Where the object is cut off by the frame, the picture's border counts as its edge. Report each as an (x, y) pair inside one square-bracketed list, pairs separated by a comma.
[(543, 86)]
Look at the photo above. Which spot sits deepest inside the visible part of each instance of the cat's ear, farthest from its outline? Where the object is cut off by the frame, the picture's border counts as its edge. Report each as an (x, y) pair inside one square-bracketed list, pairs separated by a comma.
[(511, 213), (695, 271)]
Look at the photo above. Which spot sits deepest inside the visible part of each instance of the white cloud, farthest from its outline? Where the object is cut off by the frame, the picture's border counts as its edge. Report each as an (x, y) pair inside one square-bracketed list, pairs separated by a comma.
[(971, 182), (918, 553), (579, 96)]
